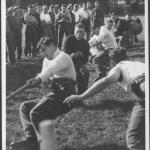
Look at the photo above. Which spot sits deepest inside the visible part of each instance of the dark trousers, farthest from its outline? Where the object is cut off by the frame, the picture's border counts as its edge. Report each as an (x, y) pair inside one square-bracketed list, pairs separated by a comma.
[(135, 136), (32, 37), (11, 47), (82, 80), (87, 26), (63, 28), (126, 40), (101, 62), (18, 43), (48, 107)]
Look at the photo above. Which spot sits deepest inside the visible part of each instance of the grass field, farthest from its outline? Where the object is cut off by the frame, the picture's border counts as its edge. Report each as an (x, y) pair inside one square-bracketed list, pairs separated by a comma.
[(100, 124)]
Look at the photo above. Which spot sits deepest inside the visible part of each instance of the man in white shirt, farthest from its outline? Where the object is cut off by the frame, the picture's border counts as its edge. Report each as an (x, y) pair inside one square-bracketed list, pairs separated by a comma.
[(131, 76), (100, 47), (76, 12), (58, 74), (85, 19), (46, 22), (106, 37)]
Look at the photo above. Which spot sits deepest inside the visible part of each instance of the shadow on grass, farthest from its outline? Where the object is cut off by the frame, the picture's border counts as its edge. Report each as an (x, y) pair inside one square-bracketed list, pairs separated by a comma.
[(111, 104), (100, 147)]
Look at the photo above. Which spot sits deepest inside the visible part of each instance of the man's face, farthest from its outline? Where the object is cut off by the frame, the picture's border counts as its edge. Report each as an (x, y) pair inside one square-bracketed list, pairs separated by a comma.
[(79, 33), (48, 51), (76, 8), (45, 9), (97, 5), (95, 31), (113, 16), (52, 9), (109, 25), (63, 9), (30, 10), (70, 9), (84, 6), (89, 6)]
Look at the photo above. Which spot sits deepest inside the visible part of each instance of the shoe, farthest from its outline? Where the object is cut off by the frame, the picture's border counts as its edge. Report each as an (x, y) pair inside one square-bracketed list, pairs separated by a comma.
[(25, 144)]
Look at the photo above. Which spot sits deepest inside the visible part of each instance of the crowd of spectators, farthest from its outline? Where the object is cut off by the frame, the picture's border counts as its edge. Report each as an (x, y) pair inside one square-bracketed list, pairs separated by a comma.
[(56, 21)]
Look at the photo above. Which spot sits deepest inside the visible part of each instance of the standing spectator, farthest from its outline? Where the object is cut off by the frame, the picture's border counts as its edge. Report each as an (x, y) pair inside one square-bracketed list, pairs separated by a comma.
[(18, 31), (78, 48), (10, 36), (32, 21), (37, 13), (85, 19), (53, 21), (64, 20), (76, 12), (98, 15), (52, 14), (39, 9), (89, 10), (72, 24), (46, 22), (56, 9)]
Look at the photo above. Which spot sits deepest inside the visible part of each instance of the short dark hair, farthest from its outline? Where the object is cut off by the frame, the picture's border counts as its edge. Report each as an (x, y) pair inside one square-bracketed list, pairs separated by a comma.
[(118, 54), (109, 21), (64, 5), (46, 41), (80, 25)]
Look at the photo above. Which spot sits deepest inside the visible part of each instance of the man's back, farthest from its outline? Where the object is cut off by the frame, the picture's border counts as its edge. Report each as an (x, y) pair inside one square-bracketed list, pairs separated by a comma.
[(130, 71)]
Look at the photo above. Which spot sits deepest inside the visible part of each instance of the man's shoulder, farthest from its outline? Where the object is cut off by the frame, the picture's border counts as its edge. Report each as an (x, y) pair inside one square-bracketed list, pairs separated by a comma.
[(71, 37), (64, 57)]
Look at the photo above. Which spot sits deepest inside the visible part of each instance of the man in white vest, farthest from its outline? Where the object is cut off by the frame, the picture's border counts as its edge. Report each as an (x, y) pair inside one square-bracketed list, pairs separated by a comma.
[(131, 76)]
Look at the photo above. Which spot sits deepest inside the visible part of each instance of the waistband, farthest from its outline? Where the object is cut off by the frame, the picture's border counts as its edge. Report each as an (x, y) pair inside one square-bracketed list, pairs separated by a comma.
[(136, 88), (63, 81), (142, 76)]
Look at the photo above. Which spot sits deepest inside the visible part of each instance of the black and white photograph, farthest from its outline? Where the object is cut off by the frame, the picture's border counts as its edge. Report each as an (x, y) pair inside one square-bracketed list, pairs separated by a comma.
[(75, 75)]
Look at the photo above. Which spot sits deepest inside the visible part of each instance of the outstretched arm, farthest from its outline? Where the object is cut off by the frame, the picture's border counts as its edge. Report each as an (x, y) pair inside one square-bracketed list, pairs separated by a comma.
[(98, 86)]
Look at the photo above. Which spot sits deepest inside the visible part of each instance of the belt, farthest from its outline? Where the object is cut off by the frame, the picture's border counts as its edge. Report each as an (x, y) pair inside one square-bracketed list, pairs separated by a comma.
[(135, 86), (61, 84)]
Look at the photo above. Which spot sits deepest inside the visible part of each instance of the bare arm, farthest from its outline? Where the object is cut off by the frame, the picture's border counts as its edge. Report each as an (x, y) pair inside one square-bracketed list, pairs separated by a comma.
[(98, 86)]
